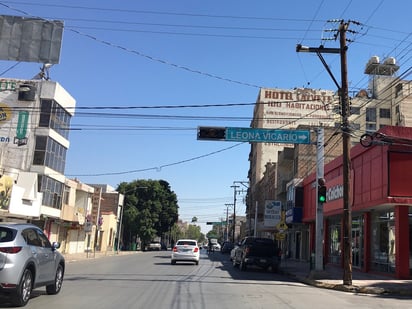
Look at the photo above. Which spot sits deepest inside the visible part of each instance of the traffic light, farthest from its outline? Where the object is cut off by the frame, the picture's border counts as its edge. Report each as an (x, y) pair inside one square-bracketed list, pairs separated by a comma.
[(321, 190), (211, 133)]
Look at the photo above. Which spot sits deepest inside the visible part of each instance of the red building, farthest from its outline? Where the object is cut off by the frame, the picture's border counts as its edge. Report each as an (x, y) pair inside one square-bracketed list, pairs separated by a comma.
[(381, 205)]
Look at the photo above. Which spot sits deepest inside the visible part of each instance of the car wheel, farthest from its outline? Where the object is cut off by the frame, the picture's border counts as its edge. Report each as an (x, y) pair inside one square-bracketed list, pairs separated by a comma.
[(173, 262), (242, 265), (275, 268), (55, 288), (197, 262), (22, 295)]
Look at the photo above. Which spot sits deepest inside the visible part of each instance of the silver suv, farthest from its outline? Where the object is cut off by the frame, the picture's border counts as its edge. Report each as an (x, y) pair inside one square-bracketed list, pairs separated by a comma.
[(27, 261)]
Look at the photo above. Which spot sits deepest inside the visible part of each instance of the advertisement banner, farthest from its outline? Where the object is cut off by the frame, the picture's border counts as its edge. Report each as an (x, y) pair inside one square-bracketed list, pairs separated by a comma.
[(273, 211)]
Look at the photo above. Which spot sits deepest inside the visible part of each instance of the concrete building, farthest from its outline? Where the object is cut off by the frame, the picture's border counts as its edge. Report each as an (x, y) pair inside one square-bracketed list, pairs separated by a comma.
[(34, 139), (387, 101), (35, 120)]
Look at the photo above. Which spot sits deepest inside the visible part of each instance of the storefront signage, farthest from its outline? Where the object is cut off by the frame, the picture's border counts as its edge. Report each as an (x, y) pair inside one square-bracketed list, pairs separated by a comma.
[(334, 193)]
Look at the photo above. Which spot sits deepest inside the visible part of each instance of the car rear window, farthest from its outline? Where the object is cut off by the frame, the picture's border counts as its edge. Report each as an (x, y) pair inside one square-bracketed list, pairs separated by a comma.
[(7, 234), (186, 243)]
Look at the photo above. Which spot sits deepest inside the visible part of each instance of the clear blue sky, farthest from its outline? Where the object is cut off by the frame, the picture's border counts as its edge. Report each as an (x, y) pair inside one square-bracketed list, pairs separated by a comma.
[(182, 54)]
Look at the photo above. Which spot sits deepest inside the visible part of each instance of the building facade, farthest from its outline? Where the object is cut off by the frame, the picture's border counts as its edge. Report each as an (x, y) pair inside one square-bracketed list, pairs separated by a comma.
[(380, 203), (35, 120), (386, 102)]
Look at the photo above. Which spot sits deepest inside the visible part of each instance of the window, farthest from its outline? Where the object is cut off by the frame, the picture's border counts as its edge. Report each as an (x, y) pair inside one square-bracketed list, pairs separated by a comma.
[(383, 242), (371, 114), (370, 127), (53, 116), (52, 191), (45, 243), (31, 237), (49, 153), (385, 113), (66, 195), (398, 90), (355, 110), (335, 237)]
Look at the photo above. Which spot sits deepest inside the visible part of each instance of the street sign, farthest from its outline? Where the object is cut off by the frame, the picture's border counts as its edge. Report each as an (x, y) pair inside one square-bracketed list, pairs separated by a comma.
[(216, 223), (254, 135), (267, 135)]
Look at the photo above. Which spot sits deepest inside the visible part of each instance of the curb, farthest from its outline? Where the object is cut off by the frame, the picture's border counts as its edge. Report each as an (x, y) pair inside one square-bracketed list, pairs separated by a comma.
[(353, 288)]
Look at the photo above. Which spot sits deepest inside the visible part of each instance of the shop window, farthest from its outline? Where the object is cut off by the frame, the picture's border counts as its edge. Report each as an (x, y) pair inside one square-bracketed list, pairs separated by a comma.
[(335, 249), (383, 242)]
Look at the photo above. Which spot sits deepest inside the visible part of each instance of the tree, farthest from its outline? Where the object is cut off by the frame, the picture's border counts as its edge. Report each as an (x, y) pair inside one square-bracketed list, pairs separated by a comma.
[(150, 209), (193, 232)]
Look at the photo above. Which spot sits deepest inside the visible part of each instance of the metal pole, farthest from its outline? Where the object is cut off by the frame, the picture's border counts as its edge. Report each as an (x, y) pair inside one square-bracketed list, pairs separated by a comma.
[(120, 229), (319, 206), (347, 214), (97, 222)]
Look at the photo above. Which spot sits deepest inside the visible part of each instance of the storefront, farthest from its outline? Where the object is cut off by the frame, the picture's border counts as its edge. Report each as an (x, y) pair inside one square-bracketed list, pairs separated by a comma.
[(380, 202)]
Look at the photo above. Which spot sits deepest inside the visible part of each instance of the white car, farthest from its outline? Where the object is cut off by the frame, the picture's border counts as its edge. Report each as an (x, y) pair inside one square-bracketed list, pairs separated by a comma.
[(154, 245), (185, 250)]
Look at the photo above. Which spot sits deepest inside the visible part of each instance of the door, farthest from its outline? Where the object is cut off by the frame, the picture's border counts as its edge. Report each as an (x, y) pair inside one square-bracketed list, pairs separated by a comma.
[(357, 242)]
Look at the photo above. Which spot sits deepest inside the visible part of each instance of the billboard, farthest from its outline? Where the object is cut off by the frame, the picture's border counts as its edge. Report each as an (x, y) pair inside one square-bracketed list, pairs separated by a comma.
[(273, 211), (16, 122), (30, 39)]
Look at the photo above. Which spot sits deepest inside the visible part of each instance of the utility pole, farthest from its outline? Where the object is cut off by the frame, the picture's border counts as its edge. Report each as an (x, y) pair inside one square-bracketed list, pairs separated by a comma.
[(347, 212), (235, 191), (227, 221), (344, 101), (234, 211)]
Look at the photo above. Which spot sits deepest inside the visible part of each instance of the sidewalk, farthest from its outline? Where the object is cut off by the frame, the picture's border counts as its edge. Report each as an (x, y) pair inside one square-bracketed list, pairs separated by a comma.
[(332, 278), (74, 257)]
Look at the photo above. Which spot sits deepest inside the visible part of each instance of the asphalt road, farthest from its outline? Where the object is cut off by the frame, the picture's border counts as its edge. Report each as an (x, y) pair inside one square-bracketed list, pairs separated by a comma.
[(148, 280)]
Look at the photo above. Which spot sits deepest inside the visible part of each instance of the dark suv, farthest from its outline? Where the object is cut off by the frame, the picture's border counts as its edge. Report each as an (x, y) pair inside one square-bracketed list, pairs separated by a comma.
[(260, 252)]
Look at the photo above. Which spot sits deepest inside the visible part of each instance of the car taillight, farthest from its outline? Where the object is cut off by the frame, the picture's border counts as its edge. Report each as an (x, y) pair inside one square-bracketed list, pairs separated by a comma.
[(174, 249), (10, 250), (196, 249), (247, 250)]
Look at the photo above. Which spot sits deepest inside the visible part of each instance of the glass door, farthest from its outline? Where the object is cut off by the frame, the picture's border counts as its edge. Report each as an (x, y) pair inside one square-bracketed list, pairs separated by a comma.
[(357, 242)]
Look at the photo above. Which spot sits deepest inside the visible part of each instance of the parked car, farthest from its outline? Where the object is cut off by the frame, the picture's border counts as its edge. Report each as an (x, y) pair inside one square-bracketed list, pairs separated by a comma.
[(256, 251), (216, 247), (227, 247), (154, 245), (27, 261), (185, 250)]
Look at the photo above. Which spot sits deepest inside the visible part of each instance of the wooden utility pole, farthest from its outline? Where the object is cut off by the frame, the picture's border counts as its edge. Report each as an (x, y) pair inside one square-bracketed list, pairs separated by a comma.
[(344, 101), (347, 211)]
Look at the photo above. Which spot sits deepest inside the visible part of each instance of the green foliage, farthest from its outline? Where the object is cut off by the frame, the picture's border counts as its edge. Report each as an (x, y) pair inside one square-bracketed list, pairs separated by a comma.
[(193, 232), (150, 209)]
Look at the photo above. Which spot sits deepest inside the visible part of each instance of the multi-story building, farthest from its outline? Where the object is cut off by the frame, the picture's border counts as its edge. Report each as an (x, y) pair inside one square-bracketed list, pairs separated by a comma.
[(107, 212), (34, 139), (386, 102), (35, 120), (282, 109)]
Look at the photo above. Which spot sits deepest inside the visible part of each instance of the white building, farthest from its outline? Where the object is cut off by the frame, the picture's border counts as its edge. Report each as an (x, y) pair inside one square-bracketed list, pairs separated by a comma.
[(34, 138)]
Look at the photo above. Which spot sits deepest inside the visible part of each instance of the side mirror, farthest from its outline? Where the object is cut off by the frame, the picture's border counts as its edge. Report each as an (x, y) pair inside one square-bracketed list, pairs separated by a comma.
[(55, 245)]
